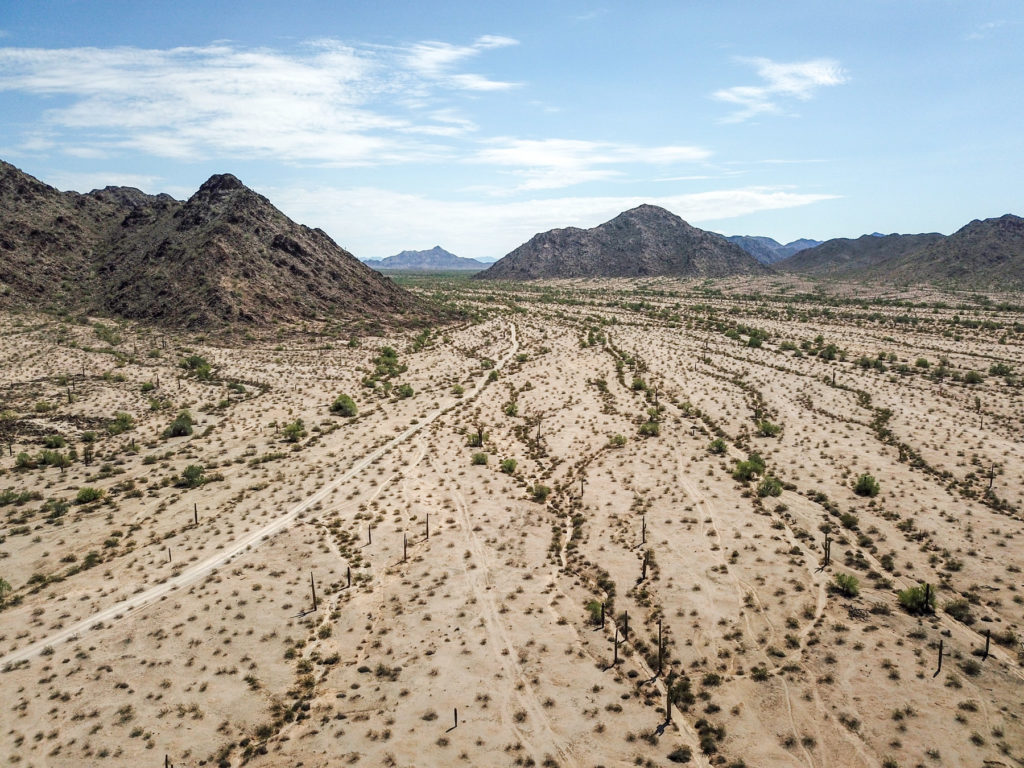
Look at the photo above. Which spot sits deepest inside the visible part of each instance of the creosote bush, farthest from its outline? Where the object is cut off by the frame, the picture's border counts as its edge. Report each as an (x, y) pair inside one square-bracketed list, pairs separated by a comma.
[(540, 492), (917, 600), (866, 486), (181, 426), (480, 458), (344, 405), (508, 466), (88, 494), (847, 584), (717, 446)]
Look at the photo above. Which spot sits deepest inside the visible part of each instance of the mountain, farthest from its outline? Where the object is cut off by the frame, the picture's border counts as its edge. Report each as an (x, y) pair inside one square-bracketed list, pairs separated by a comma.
[(984, 253), (645, 241), (435, 260), (768, 250), (224, 256), (843, 257)]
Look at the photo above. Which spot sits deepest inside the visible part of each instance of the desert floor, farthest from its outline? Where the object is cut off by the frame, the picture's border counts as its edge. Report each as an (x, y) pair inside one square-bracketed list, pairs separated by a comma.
[(567, 445)]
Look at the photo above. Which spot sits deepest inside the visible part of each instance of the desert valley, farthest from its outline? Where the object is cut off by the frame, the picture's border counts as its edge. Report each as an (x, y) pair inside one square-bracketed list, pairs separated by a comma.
[(263, 506)]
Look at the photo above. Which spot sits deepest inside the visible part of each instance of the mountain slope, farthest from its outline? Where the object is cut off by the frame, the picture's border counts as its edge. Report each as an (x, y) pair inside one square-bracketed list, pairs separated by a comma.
[(644, 241), (224, 256), (767, 250), (844, 257), (436, 259)]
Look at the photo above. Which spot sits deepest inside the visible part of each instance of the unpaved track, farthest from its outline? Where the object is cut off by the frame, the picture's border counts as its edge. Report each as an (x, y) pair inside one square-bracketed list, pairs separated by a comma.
[(134, 604)]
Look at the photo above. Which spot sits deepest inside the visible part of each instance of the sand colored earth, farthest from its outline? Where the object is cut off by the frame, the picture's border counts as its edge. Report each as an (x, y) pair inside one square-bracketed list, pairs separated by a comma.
[(572, 444)]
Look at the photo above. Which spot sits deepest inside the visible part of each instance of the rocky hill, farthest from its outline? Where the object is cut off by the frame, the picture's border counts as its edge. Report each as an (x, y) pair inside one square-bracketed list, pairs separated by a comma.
[(768, 250), (642, 242), (983, 254), (224, 256), (844, 257), (437, 259)]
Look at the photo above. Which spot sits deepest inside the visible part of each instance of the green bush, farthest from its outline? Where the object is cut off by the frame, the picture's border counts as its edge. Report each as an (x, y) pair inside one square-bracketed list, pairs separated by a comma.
[(912, 600), (192, 477), (744, 471), (24, 461), (617, 441), (122, 423), (650, 429), (479, 458), (866, 485), (770, 486), (511, 408), (182, 425), (767, 429), (294, 431), (973, 377), (848, 521), (344, 405), (458, 390), (717, 446), (960, 609), (508, 466), (87, 495), (540, 492), (5, 590), (403, 391), (54, 441), (847, 585)]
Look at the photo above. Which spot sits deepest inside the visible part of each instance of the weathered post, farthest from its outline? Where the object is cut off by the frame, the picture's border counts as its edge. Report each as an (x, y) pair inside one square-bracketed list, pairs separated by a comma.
[(456, 718), (643, 529), (168, 554), (988, 640), (428, 526), (991, 476), (312, 588), (602, 615), (405, 546), (940, 659), (615, 658), (928, 598), (582, 480), (348, 576), (833, 378), (195, 512), (625, 626), (643, 566), (369, 534), (661, 648)]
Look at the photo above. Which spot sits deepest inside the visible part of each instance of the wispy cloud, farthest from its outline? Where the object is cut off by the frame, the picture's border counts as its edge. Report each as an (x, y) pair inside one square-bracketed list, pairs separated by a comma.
[(363, 220), (330, 103), (558, 163), (782, 81), (984, 30)]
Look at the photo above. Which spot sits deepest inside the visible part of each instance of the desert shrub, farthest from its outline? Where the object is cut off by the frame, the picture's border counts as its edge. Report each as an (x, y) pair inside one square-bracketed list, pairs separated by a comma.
[(922, 362), (458, 390), (973, 377), (1000, 369), (122, 423), (681, 754), (24, 461), (759, 674), (650, 429), (508, 466), (594, 609), (182, 425), (959, 609), (617, 441), (198, 366), (639, 384), (344, 405), (866, 485), (767, 429), (294, 431), (745, 471), (480, 458), (492, 376), (540, 492), (847, 584), (54, 441), (402, 391), (192, 476), (717, 446), (914, 601), (88, 494), (848, 520), (511, 408), (5, 590), (770, 486)]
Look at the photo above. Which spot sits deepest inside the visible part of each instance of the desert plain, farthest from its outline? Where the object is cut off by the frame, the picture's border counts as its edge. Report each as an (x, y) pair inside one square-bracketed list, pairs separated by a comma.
[(544, 539)]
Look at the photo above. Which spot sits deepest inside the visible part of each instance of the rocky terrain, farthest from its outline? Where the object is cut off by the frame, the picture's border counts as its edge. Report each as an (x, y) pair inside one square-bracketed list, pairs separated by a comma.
[(646, 241), (226, 256)]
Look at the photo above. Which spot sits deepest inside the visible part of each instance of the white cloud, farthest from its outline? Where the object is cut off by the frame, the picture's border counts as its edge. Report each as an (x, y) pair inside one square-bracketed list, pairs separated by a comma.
[(330, 103), (557, 163), (793, 80), (374, 223)]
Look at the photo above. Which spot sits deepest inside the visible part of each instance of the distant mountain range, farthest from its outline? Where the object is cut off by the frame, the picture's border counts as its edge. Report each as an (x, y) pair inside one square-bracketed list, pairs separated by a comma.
[(768, 251), (642, 242), (435, 260), (224, 256), (983, 254)]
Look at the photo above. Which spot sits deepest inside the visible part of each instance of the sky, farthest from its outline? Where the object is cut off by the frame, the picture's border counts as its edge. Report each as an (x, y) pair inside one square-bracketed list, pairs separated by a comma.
[(472, 125)]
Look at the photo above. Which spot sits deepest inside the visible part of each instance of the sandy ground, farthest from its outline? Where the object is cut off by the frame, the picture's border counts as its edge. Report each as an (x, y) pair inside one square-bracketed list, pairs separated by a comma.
[(132, 632)]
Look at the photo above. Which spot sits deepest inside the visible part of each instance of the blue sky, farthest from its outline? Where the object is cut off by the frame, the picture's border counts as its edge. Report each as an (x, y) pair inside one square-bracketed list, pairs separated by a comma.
[(471, 125)]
